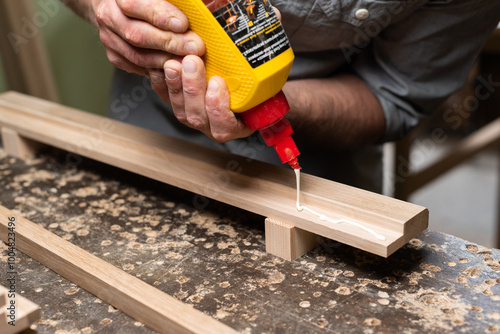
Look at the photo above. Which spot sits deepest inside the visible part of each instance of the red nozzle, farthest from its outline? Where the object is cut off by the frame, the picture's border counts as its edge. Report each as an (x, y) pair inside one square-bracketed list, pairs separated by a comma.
[(287, 151), (269, 118)]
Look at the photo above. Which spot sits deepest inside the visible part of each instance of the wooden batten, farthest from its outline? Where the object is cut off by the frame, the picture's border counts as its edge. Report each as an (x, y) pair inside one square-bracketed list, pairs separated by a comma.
[(26, 312), (141, 301), (254, 186), (17, 146)]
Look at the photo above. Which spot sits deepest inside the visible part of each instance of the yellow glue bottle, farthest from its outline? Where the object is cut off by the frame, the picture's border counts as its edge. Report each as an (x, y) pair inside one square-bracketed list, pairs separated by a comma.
[(247, 46)]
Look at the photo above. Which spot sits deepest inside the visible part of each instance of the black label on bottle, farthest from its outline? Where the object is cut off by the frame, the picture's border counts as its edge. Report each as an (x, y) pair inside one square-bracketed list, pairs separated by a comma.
[(255, 29)]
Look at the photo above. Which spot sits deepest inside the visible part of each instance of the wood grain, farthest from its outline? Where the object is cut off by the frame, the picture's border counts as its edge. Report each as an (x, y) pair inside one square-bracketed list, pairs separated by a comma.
[(27, 313), (254, 186), (134, 297), (18, 146), (286, 241), (3, 306), (24, 56)]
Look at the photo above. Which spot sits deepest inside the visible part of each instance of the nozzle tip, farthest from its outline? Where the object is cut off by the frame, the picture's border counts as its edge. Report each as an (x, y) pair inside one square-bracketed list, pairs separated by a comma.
[(294, 163)]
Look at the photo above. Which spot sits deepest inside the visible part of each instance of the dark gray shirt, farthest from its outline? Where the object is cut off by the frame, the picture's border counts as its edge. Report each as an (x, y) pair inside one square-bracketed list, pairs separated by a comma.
[(412, 54)]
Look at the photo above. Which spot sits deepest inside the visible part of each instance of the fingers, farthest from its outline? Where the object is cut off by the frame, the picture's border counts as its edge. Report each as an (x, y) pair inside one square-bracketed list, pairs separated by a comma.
[(140, 36), (138, 57), (224, 124), (186, 81), (149, 62), (144, 34), (122, 63), (157, 79), (173, 70), (202, 107), (159, 13), (193, 87)]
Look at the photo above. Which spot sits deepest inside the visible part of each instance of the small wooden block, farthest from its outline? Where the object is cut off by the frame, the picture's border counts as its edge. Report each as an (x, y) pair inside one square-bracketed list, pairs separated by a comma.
[(287, 241), (3, 298), (18, 146), (3, 302), (27, 312)]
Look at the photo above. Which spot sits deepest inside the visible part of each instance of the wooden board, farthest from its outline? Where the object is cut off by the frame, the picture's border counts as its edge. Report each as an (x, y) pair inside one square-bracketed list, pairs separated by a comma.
[(18, 146), (254, 186), (3, 306), (26, 312), (134, 297), (288, 242)]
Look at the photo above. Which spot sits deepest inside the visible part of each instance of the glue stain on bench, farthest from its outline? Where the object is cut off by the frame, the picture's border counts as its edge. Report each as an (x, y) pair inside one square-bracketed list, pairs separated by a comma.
[(301, 208)]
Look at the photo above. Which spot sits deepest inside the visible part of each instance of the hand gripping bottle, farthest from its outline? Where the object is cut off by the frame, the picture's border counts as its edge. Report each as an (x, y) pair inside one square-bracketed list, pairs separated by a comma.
[(247, 46)]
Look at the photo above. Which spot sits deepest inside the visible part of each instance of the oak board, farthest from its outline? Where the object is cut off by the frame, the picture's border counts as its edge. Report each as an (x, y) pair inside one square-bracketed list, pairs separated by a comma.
[(251, 185)]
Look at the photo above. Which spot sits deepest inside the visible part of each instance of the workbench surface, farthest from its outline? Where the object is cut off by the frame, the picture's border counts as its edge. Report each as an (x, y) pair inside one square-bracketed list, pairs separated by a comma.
[(214, 259)]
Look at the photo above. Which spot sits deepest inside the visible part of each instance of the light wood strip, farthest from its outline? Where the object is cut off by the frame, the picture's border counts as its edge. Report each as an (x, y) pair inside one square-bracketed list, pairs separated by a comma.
[(258, 187), (18, 146), (134, 297), (26, 313)]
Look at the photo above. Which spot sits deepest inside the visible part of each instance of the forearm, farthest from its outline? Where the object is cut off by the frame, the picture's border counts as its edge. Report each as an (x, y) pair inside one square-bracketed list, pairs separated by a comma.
[(339, 112), (84, 8)]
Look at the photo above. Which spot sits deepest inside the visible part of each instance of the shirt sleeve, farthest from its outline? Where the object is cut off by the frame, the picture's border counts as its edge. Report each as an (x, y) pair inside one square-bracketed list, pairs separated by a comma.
[(413, 65)]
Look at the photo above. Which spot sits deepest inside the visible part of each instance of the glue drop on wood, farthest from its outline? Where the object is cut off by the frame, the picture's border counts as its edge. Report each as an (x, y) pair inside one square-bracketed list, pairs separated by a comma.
[(247, 46)]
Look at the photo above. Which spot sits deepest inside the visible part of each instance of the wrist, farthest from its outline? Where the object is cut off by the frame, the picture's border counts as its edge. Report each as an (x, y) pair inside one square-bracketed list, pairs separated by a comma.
[(92, 11)]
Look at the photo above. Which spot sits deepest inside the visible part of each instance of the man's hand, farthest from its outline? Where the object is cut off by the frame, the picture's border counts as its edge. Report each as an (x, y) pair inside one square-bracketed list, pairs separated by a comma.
[(141, 35), (200, 106), (151, 38)]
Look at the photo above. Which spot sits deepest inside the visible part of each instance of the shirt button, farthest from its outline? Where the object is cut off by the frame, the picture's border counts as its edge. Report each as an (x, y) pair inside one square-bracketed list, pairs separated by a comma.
[(362, 14)]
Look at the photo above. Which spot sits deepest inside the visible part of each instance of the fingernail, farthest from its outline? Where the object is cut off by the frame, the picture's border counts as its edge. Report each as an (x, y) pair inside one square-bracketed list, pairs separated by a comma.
[(155, 77), (189, 66), (175, 24), (191, 48), (171, 74), (213, 87)]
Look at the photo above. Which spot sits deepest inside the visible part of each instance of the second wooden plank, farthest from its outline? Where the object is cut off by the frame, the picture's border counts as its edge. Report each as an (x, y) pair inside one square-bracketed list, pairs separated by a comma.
[(129, 294)]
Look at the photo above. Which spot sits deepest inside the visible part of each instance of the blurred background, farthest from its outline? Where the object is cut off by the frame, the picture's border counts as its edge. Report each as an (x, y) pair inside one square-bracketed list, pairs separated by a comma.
[(463, 196), (81, 71)]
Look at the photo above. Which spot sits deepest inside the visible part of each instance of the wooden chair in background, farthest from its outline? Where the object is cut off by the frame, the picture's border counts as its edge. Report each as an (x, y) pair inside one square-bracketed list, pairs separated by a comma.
[(407, 181), (24, 56)]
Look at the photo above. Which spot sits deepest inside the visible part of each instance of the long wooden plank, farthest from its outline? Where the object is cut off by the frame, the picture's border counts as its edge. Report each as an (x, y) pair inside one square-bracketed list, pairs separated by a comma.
[(134, 297), (251, 185)]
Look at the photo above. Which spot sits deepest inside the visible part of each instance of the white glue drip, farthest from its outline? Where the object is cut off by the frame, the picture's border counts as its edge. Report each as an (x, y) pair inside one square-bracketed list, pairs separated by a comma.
[(300, 208)]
